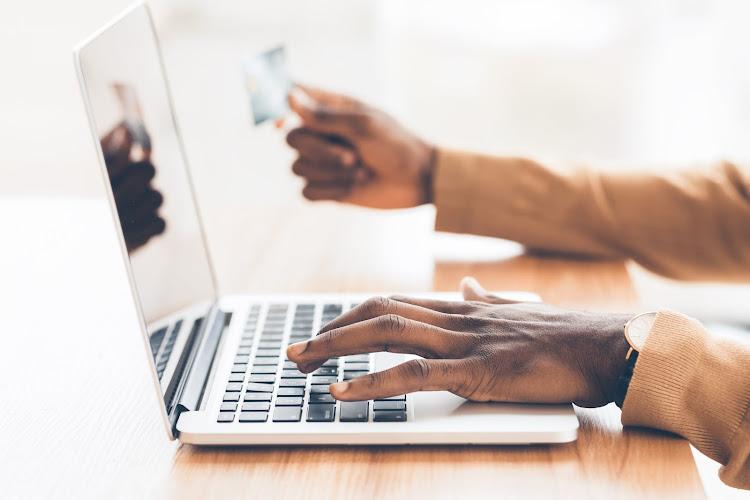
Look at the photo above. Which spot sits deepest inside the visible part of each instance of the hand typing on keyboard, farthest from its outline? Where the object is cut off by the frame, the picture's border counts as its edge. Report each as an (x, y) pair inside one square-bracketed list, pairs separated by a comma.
[(483, 349)]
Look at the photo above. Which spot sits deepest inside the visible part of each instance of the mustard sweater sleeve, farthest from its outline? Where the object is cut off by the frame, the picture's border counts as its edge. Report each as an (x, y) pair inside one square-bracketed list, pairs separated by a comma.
[(688, 225), (691, 383)]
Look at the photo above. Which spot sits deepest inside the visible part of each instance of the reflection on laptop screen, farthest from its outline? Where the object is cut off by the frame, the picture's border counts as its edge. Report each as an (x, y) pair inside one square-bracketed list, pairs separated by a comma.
[(131, 107)]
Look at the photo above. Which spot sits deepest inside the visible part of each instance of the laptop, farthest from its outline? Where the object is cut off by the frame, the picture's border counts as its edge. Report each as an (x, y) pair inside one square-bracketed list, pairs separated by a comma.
[(218, 362)]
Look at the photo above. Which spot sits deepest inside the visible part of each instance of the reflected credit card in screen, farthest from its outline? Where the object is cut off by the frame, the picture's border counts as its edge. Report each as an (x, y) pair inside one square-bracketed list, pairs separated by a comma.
[(268, 83)]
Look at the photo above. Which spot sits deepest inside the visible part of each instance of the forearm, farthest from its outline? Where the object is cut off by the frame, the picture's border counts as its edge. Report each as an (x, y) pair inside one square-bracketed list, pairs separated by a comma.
[(691, 383), (687, 225)]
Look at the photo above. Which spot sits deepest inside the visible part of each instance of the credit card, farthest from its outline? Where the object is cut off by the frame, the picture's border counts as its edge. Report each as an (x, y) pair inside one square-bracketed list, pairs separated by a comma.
[(268, 83)]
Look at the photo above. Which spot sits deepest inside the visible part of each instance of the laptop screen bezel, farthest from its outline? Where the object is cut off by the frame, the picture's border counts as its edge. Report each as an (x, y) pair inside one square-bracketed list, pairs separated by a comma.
[(140, 8)]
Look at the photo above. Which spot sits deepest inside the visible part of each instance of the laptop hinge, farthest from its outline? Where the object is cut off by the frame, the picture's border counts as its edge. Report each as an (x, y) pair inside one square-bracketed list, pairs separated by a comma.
[(199, 355)]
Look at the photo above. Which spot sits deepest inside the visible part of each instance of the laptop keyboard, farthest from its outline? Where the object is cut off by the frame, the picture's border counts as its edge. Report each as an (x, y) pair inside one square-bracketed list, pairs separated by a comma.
[(264, 386)]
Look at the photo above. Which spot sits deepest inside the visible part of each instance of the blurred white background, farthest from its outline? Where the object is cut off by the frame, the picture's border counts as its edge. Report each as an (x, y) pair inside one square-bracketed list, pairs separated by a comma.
[(642, 83)]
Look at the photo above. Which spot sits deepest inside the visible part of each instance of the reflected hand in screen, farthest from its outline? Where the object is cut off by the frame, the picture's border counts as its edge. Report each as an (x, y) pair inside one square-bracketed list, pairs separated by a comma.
[(130, 173), (483, 349), (354, 153)]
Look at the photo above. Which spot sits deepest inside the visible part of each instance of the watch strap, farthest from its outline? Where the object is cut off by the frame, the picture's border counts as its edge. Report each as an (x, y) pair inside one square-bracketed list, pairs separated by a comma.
[(624, 381)]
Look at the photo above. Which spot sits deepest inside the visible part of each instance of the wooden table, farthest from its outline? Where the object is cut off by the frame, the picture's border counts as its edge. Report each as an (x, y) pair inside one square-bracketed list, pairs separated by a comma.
[(81, 420)]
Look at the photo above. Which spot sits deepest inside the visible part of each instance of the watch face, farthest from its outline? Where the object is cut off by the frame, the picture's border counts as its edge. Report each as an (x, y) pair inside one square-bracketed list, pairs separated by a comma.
[(638, 329)]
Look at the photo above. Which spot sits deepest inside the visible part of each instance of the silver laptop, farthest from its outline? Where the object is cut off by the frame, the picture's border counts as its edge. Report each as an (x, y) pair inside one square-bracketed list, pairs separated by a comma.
[(218, 362)]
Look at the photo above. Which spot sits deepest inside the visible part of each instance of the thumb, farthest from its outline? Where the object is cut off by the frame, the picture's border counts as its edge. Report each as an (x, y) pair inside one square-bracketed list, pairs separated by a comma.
[(329, 113), (472, 290)]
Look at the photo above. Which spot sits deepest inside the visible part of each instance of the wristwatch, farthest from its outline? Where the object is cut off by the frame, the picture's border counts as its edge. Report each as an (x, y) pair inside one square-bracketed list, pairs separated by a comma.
[(637, 330)]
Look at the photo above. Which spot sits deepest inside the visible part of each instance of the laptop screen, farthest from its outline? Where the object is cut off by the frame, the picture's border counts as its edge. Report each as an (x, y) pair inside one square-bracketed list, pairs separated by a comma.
[(130, 106)]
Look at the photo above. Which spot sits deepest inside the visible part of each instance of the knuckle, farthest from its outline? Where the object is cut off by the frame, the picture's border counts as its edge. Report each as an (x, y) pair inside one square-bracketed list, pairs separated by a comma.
[(326, 341), (377, 306), (418, 369), (298, 167), (292, 138), (392, 323), (373, 380), (469, 323)]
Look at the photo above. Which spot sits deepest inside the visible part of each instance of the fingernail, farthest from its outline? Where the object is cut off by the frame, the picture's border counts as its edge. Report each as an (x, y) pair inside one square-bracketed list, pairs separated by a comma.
[(296, 350), (340, 387)]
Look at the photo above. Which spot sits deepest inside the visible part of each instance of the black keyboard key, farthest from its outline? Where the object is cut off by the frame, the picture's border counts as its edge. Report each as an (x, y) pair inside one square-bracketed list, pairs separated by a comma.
[(291, 391), (156, 338), (321, 398), (231, 396), (319, 389), (351, 375), (393, 398), (234, 387), (323, 380), (326, 370), (289, 401), (267, 362), (263, 379), (225, 417), (389, 405), (236, 377), (253, 416), (292, 374), (354, 411), (256, 387), (239, 368), (257, 396), (292, 382), (287, 414), (263, 369), (321, 413), (256, 406), (356, 366), (228, 406), (389, 416)]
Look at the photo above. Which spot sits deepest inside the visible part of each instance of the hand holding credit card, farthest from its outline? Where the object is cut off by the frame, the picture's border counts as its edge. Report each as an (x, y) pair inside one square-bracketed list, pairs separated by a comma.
[(268, 83)]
